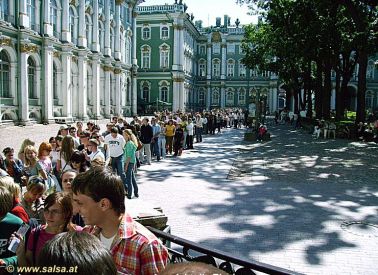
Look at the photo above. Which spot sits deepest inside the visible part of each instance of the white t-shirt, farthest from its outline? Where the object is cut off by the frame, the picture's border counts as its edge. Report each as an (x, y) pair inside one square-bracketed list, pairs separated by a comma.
[(190, 128), (97, 154), (107, 242), (115, 145)]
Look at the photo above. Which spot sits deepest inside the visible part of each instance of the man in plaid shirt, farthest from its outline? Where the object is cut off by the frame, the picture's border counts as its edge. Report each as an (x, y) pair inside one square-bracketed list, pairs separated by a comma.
[(100, 197)]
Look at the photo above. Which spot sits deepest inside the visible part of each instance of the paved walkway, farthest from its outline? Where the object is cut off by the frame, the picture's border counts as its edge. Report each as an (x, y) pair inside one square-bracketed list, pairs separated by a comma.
[(286, 202)]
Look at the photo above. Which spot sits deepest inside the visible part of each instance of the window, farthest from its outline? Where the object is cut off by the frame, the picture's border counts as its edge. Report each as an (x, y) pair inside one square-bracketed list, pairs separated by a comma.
[(254, 72), (4, 74), (231, 48), (216, 67), (202, 68), (370, 69), (230, 98), (146, 57), (215, 97), (164, 33), (4, 10), (31, 77), (31, 13), (201, 98), (164, 94), (164, 56), (242, 70), (55, 82), (202, 50), (265, 73), (146, 33), (146, 92), (101, 35), (54, 17), (216, 48), (230, 67), (72, 26), (101, 3), (88, 30), (241, 97)]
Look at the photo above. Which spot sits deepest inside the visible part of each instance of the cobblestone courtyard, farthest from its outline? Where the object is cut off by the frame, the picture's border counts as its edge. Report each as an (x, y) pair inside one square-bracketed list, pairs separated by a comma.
[(290, 202)]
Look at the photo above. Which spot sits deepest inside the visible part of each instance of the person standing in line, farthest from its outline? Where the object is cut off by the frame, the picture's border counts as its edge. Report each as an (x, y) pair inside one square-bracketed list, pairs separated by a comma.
[(169, 134), (100, 196), (155, 139), (162, 140), (199, 127), (146, 135), (130, 160)]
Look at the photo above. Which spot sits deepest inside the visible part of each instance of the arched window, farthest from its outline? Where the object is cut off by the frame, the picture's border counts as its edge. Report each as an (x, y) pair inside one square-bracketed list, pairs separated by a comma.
[(4, 10), (230, 98), (54, 17), (164, 93), (216, 67), (215, 97), (146, 33), (146, 57), (370, 69), (31, 13), (55, 82), (164, 56), (31, 77), (73, 29), (4, 74), (164, 33), (241, 97), (242, 70), (146, 92), (230, 67)]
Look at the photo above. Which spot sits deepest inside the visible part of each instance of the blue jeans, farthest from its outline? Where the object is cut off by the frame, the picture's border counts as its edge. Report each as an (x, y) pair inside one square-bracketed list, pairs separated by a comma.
[(131, 181), (199, 134), (118, 165), (155, 147)]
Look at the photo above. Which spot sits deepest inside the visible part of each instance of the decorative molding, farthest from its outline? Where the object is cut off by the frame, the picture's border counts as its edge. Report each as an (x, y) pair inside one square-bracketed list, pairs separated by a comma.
[(6, 41), (74, 58), (117, 71), (178, 79), (178, 27), (135, 14), (107, 68), (216, 37), (56, 54), (119, 2), (26, 48), (73, 3)]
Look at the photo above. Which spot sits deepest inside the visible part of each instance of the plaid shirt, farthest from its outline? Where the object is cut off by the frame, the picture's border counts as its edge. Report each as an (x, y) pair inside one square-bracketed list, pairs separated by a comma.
[(135, 250)]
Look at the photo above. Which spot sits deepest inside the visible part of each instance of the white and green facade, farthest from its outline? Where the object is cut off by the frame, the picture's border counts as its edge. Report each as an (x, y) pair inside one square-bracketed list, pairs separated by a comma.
[(66, 58)]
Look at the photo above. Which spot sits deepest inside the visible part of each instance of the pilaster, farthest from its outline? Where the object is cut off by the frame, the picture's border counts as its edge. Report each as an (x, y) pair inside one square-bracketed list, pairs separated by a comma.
[(208, 60), (82, 39), (66, 82), (208, 98), (117, 52), (96, 85), (48, 99), (117, 103), (107, 50), (23, 15), (95, 35), (47, 25), (223, 96), (24, 97), (82, 63), (66, 35), (107, 71), (134, 67), (224, 55)]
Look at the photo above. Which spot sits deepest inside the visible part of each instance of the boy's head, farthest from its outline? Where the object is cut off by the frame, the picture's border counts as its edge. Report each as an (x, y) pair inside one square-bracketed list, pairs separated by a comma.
[(6, 201), (96, 192)]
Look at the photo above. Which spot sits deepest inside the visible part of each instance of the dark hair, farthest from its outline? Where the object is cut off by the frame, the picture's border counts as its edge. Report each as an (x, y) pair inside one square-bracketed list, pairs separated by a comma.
[(80, 249), (6, 201), (99, 183), (7, 150), (78, 156), (114, 130), (65, 201)]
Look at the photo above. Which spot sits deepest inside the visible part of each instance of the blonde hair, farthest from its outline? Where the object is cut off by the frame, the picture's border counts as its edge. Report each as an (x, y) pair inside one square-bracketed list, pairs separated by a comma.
[(24, 144), (32, 149), (132, 136), (13, 187)]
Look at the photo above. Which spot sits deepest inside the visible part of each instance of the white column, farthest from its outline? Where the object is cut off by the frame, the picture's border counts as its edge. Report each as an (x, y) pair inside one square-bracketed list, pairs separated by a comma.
[(95, 33), (66, 35), (47, 25), (13, 87), (38, 84), (107, 90), (175, 103), (208, 97), (223, 96), (117, 103), (176, 66), (134, 68), (82, 63), (96, 85), (82, 41), (117, 52), (11, 10), (23, 15), (107, 50), (24, 98), (208, 60), (66, 83), (37, 16), (223, 68), (48, 98)]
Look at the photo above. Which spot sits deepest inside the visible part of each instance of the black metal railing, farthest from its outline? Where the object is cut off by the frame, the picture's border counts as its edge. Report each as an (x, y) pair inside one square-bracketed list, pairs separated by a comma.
[(225, 261)]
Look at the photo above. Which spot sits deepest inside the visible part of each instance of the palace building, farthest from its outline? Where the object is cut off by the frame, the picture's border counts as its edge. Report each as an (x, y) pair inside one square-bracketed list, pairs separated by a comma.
[(90, 59)]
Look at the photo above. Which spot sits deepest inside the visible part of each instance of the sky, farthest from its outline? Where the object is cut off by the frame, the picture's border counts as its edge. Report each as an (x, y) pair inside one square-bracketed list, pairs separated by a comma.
[(208, 10)]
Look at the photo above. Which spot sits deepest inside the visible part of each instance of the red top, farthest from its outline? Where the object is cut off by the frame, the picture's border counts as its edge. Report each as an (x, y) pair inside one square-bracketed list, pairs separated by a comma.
[(19, 211)]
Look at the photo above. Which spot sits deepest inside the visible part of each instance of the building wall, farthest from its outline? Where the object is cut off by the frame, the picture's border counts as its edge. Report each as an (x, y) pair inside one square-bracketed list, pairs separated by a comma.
[(66, 58)]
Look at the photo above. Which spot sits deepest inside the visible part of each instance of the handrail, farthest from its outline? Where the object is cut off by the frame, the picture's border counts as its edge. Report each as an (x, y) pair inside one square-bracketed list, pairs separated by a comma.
[(228, 259)]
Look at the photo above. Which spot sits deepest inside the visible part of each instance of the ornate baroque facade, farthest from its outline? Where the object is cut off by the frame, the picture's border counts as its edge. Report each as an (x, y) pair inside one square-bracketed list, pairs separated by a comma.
[(66, 58), (87, 59)]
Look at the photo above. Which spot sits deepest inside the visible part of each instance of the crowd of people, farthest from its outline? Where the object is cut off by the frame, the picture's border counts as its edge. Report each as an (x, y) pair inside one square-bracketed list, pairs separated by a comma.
[(73, 187)]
